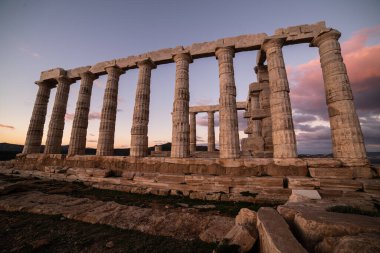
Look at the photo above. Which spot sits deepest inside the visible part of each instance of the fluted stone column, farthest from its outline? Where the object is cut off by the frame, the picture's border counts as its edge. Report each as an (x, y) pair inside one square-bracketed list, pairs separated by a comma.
[(37, 121), (109, 110), (228, 121), (256, 124), (211, 132), (180, 116), (193, 132), (79, 130), (284, 140), (139, 131), (57, 120), (347, 137)]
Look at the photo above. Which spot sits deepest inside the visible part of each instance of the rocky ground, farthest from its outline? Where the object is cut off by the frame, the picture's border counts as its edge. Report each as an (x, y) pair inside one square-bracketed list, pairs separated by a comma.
[(40, 215), (53, 216)]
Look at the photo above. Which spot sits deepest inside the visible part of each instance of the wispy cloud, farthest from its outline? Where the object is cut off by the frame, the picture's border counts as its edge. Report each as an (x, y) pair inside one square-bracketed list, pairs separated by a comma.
[(99, 83), (7, 126), (91, 116), (29, 52)]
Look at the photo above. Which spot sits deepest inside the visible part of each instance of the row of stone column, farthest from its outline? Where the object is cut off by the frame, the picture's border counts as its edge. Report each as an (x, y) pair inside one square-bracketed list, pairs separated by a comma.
[(210, 131), (345, 128)]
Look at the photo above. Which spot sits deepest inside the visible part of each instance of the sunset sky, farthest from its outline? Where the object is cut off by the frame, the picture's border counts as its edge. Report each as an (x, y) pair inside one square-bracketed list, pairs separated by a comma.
[(43, 34)]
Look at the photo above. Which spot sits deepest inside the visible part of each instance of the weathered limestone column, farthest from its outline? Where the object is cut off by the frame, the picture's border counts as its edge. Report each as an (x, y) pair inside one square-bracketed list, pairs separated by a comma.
[(139, 131), (228, 121), (264, 97), (57, 120), (347, 137), (79, 130), (256, 124), (109, 110), (284, 140), (180, 116), (193, 132), (37, 121), (211, 132)]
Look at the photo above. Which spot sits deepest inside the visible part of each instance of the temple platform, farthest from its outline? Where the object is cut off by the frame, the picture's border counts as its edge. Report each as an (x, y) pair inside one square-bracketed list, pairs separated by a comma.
[(257, 180)]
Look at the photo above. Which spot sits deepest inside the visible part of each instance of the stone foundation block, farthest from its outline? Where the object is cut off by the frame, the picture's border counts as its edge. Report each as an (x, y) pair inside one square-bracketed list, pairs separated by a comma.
[(341, 173), (303, 183)]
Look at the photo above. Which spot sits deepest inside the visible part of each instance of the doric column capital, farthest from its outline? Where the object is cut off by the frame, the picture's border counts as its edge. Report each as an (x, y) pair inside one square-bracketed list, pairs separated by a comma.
[(146, 63), (49, 84), (193, 114), (64, 79), (224, 50), (184, 56), (325, 35), (210, 113), (88, 74), (273, 43), (116, 70)]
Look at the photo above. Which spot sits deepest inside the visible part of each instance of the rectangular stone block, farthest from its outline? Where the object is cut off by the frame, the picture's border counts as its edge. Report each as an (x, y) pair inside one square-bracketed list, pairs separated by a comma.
[(343, 173), (52, 74), (168, 178), (99, 68), (74, 73), (323, 162), (303, 183), (275, 234)]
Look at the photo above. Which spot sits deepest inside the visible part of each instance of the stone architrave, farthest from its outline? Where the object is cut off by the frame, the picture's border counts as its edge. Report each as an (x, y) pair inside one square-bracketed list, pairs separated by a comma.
[(37, 121), (180, 116), (57, 120), (347, 137), (211, 132), (109, 110), (139, 131), (193, 132), (284, 140), (79, 130), (228, 121)]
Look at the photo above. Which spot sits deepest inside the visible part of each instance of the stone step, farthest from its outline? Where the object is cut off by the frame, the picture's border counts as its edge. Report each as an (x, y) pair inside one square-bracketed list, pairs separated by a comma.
[(307, 183), (323, 162), (341, 173), (340, 184)]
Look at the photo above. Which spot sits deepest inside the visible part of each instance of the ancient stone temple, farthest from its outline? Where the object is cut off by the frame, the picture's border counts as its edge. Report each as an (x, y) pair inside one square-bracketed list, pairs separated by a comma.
[(270, 148)]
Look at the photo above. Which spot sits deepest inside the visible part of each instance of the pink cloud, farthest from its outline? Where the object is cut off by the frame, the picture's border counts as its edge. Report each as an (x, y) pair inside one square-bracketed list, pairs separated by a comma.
[(307, 93)]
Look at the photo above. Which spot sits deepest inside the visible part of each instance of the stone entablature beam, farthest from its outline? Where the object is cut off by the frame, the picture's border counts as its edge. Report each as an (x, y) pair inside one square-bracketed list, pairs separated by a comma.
[(215, 108), (294, 35)]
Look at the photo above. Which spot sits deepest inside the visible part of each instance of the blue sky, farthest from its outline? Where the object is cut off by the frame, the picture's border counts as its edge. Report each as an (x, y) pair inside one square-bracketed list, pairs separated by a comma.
[(43, 34)]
